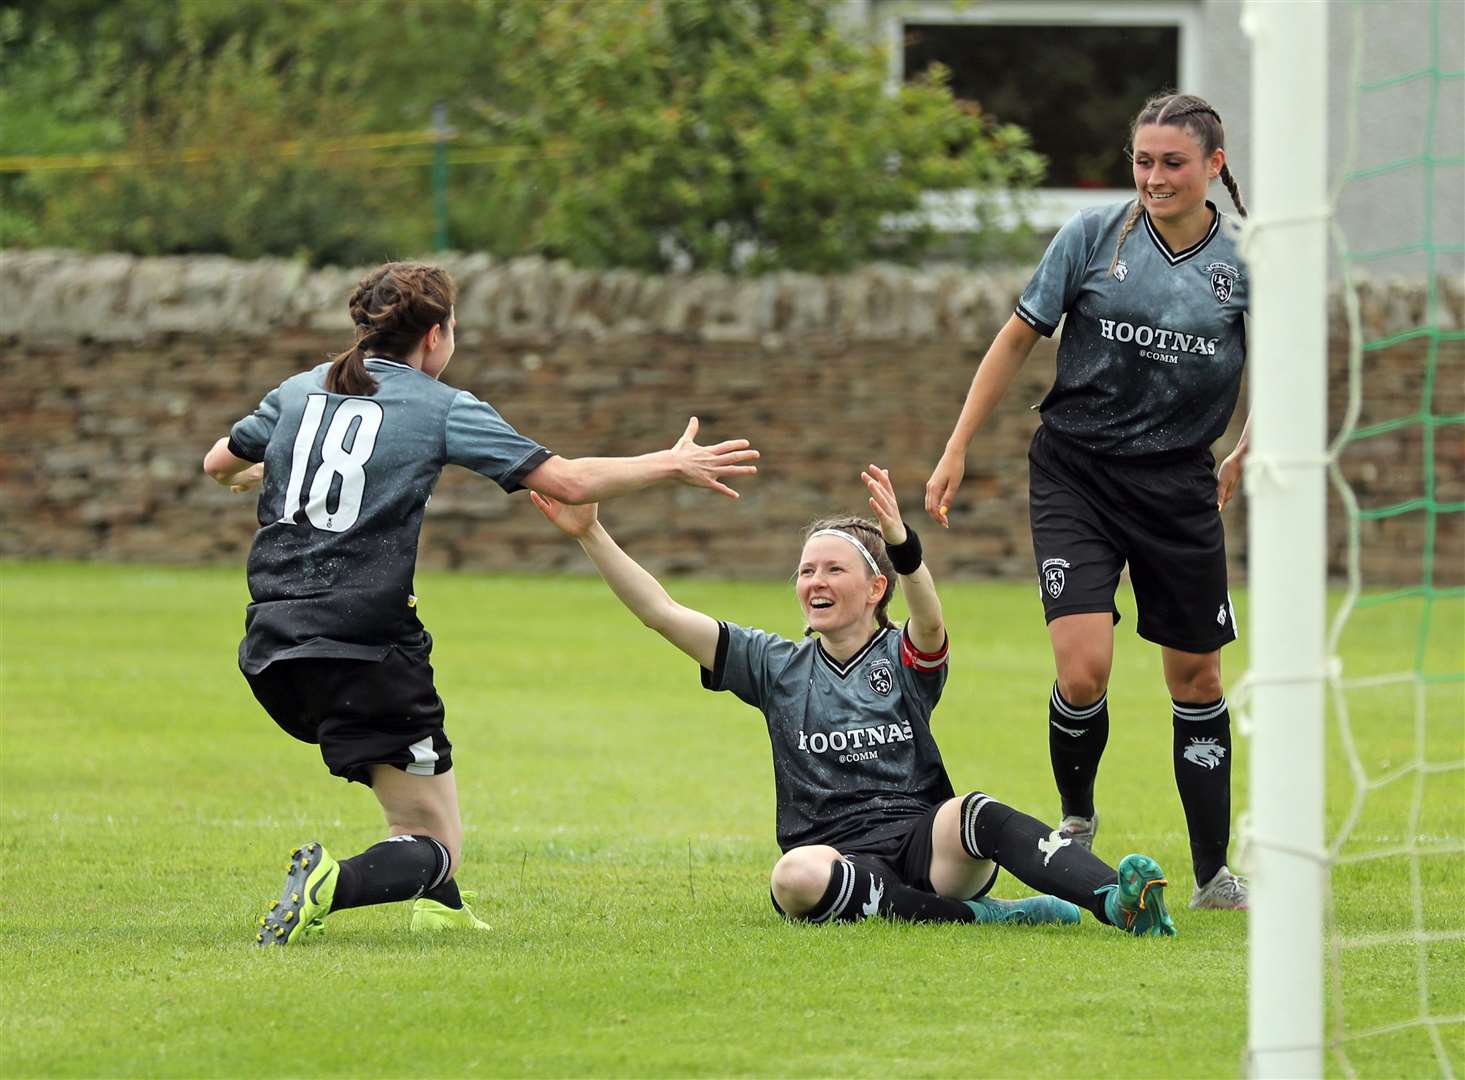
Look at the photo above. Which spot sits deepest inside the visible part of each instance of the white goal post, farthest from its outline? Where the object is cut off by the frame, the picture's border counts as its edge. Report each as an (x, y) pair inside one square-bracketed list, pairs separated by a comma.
[(1286, 491)]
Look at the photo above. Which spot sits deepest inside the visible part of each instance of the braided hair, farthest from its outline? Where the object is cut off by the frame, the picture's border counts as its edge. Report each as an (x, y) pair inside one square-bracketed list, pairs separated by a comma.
[(391, 309), (872, 540), (1196, 116)]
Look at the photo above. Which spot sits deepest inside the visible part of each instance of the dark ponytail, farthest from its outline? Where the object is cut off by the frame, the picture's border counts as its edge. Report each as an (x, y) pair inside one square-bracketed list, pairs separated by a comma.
[(348, 374), (392, 308), (1234, 188)]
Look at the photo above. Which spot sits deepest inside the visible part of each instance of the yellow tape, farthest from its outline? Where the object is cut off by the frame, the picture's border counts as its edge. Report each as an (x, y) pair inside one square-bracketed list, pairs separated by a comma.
[(12, 163)]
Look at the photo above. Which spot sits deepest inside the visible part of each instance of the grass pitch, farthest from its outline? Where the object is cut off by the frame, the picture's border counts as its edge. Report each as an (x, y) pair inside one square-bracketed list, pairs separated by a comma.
[(620, 831)]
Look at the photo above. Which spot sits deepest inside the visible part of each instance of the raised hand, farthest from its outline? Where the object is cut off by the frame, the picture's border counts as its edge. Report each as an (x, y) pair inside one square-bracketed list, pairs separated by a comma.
[(711, 466), (883, 502), (573, 521), (941, 489)]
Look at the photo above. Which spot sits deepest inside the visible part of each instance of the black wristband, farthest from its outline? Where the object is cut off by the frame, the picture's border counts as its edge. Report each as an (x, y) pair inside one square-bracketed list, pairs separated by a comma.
[(905, 556)]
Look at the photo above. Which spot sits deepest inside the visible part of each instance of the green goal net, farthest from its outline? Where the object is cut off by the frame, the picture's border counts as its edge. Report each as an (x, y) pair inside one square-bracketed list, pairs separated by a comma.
[(1395, 944)]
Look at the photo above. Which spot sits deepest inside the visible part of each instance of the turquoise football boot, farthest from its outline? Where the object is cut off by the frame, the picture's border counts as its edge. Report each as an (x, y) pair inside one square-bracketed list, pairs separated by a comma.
[(1136, 901), (1028, 912)]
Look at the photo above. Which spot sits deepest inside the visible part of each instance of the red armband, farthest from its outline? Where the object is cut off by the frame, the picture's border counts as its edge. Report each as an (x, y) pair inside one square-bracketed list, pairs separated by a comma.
[(912, 657)]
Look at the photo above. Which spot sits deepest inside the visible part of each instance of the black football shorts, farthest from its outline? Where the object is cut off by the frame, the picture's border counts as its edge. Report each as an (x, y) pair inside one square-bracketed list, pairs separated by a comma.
[(1092, 514), (360, 712), (904, 855)]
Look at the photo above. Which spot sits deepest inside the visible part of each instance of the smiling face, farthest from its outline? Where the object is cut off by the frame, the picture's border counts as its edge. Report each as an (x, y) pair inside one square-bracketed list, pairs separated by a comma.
[(1172, 171), (835, 587)]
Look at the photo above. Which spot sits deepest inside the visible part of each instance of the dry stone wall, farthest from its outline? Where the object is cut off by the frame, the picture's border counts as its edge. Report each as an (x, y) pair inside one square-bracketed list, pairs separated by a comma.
[(119, 372)]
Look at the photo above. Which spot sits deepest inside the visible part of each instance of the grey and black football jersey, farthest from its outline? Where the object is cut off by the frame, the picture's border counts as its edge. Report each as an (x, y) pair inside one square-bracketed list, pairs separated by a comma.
[(346, 481), (853, 756), (1151, 354)]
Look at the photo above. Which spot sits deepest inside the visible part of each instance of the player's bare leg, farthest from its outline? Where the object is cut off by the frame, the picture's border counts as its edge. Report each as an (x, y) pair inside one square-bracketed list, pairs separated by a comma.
[(1078, 716), (800, 878), (421, 806), (414, 863), (428, 806), (1202, 754), (986, 831), (954, 873), (816, 883), (1083, 652), (1190, 676)]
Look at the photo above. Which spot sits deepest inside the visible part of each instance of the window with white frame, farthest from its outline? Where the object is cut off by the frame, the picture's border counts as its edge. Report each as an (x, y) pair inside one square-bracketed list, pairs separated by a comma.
[(1071, 73), (1050, 91)]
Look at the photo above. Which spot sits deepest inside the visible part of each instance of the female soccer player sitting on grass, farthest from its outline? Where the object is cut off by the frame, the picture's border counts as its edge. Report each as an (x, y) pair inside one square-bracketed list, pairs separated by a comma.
[(867, 819), (333, 647)]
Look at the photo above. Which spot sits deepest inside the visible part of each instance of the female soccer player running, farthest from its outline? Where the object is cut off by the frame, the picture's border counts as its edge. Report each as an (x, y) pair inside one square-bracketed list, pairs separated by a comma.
[(348, 454), (1149, 367), (867, 819)]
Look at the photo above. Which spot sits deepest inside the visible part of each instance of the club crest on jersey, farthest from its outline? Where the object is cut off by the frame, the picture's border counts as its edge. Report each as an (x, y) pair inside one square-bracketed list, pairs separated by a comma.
[(1121, 270), (1053, 579), (881, 677), (1223, 280)]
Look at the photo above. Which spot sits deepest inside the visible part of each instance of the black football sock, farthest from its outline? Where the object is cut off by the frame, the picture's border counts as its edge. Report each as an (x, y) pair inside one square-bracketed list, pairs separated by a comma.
[(894, 899), (1077, 735), (446, 894), (1033, 853), (401, 868), (1203, 777), (859, 890)]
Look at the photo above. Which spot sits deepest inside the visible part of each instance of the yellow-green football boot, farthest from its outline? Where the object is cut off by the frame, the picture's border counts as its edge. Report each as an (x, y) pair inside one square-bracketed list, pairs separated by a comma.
[(431, 915), (305, 901)]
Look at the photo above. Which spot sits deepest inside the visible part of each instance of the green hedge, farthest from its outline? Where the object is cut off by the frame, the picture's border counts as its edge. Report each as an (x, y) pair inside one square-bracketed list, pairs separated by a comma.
[(734, 135)]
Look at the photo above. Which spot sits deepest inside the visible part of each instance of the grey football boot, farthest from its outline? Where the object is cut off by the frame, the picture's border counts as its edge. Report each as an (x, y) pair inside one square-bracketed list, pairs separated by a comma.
[(1224, 892)]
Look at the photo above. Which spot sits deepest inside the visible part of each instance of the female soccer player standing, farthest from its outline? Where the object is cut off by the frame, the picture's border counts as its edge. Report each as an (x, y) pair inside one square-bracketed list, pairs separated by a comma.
[(867, 819), (348, 454), (1149, 367)]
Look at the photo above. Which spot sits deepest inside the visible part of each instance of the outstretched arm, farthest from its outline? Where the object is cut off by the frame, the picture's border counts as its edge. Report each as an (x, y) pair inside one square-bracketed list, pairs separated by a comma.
[(691, 631), (591, 479), (994, 374), (232, 472), (925, 627)]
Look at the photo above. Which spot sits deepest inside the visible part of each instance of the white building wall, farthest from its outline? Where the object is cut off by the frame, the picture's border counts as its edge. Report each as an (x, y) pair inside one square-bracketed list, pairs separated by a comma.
[(1387, 211), (1377, 213)]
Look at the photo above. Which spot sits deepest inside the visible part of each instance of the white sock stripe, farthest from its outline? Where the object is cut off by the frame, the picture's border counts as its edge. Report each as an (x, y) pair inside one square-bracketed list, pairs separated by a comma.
[(1204, 712), (846, 890), (969, 825), (447, 863), (1085, 713)]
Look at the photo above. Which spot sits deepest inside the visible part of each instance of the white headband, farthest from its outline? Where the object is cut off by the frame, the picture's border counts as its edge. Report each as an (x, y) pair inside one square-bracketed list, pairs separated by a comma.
[(850, 537)]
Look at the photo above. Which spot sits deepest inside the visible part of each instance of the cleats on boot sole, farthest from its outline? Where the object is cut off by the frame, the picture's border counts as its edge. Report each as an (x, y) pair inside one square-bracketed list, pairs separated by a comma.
[(310, 884)]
